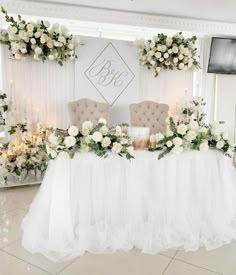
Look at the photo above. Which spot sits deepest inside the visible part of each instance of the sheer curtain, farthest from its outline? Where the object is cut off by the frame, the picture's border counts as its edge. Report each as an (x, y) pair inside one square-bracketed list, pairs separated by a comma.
[(204, 83)]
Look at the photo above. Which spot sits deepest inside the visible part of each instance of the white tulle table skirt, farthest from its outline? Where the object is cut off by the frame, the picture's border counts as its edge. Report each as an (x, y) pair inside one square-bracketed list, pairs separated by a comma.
[(103, 205)]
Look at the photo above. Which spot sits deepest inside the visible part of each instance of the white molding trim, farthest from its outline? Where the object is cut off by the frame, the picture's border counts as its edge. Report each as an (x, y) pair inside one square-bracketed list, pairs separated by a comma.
[(82, 13)]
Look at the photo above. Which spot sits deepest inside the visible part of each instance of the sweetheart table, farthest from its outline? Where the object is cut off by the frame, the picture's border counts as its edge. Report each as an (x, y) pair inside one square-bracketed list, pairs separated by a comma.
[(102, 205)]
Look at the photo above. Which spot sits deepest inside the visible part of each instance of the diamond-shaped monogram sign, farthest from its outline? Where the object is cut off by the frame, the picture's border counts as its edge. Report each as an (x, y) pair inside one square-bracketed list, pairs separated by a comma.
[(109, 74)]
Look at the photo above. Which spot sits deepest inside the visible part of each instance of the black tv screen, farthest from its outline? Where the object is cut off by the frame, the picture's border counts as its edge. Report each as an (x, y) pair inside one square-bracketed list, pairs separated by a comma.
[(222, 56)]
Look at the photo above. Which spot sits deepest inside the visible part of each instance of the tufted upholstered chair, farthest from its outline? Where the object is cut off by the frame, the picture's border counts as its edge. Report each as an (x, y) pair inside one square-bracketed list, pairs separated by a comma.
[(86, 109), (149, 114)]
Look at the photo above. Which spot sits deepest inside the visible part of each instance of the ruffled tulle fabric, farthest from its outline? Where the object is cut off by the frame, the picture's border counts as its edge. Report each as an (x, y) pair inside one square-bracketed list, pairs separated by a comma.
[(103, 205)]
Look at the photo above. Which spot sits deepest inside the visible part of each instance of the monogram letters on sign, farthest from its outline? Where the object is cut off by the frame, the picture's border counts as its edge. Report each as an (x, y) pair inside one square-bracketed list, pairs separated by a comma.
[(109, 74)]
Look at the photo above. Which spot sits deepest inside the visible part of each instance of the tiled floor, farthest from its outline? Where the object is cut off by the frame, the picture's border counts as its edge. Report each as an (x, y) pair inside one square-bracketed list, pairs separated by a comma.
[(14, 260)]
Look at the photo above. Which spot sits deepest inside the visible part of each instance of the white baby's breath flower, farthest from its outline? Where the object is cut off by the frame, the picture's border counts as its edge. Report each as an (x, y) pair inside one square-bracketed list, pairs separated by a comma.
[(117, 147), (106, 142), (73, 131), (70, 141), (97, 136)]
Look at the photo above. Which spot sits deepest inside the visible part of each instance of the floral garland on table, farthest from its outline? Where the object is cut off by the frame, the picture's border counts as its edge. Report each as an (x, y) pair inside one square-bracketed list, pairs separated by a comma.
[(190, 132), (37, 40), (167, 53), (98, 139)]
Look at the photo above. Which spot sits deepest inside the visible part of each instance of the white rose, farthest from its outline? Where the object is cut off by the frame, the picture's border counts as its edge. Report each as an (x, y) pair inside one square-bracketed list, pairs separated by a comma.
[(181, 57), (102, 120), (175, 49), (181, 66), (51, 57), (161, 59), (88, 139), (177, 150), (117, 147), (231, 143), (104, 130), (159, 48), (175, 60), (85, 131), (177, 141), (50, 44), (169, 51), (30, 27), (53, 154), (73, 131), (70, 46), (97, 137), (163, 48), (225, 136), (158, 69), (23, 50), (130, 149), (88, 124), (106, 142), (169, 133), (46, 24), (203, 130), (166, 55), (64, 155), (159, 137), (158, 55), (193, 125), (191, 135), (38, 51), (230, 152), (204, 147), (169, 143), (182, 129), (37, 34), (118, 130), (33, 41), (70, 141), (220, 144)]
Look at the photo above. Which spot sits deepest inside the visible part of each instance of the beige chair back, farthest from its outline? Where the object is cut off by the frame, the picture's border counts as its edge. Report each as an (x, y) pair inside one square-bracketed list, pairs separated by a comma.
[(149, 114), (86, 109)]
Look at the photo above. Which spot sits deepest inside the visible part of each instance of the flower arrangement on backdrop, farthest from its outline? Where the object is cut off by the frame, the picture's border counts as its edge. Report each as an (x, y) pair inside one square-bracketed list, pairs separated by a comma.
[(163, 52), (4, 108), (38, 40), (98, 139), (189, 131)]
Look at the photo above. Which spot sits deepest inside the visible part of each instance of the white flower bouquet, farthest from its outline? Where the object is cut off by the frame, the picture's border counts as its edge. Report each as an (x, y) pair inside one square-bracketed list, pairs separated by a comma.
[(190, 132), (23, 155), (167, 53), (37, 40), (98, 139)]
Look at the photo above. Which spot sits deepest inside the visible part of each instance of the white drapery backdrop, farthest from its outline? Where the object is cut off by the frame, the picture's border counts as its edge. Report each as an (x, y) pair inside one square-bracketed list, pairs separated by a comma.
[(41, 91)]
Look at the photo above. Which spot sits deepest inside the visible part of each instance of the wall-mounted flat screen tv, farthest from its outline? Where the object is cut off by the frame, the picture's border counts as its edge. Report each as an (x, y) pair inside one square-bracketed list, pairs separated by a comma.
[(222, 56)]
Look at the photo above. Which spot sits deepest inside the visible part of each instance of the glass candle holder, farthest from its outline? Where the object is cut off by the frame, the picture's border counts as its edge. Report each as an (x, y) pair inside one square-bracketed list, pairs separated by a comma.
[(140, 137)]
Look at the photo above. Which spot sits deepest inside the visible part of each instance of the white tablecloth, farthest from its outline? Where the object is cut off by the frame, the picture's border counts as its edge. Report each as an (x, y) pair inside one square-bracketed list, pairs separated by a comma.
[(102, 205)]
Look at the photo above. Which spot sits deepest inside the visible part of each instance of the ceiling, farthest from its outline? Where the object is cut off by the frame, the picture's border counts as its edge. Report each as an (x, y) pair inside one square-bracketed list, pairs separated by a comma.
[(216, 10)]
